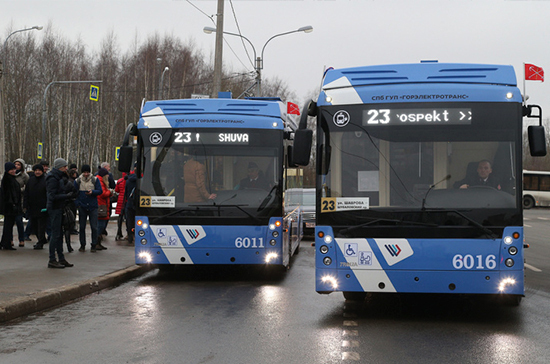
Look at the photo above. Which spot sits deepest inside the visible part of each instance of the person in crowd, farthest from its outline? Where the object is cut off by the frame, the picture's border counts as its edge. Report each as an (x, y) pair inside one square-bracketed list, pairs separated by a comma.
[(254, 179), (22, 178), (129, 207), (103, 202), (69, 217), (73, 167), (35, 201), (483, 178), (73, 174), (89, 188), (46, 166), (119, 188), (56, 200), (111, 185), (107, 166), (194, 176), (10, 204)]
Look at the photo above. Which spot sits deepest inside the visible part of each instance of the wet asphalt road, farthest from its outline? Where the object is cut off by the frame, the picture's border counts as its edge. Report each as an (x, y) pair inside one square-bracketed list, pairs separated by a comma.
[(244, 315)]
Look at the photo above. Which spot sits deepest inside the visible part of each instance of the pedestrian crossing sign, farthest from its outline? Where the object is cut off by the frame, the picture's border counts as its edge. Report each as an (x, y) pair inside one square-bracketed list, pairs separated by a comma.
[(94, 93)]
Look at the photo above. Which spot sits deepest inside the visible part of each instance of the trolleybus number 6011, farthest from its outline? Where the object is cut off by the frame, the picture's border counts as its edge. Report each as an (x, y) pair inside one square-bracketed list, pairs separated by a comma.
[(469, 261), (249, 242)]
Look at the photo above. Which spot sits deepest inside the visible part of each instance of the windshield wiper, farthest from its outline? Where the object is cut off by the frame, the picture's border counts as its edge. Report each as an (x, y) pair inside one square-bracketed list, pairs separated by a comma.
[(266, 199), (476, 224), (219, 206), (378, 219), (154, 219), (469, 219)]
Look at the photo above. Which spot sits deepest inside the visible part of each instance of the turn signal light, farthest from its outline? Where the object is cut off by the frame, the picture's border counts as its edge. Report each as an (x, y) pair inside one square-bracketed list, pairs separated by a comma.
[(515, 235)]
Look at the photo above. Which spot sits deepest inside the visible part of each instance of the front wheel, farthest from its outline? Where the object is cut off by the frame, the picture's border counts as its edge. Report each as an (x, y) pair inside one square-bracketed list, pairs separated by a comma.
[(528, 202), (355, 296)]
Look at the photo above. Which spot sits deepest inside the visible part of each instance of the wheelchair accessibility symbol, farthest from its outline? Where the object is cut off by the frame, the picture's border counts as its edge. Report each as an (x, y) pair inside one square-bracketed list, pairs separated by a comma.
[(161, 233), (350, 250)]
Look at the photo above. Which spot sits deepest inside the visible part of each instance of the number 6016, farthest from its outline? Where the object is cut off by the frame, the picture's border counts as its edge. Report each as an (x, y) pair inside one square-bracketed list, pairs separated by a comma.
[(469, 262)]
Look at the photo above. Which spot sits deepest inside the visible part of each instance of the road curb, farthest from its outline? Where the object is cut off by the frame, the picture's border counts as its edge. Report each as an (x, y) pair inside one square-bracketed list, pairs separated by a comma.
[(51, 298)]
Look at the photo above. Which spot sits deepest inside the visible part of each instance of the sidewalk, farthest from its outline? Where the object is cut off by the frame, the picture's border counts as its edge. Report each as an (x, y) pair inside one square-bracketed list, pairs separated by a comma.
[(27, 285)]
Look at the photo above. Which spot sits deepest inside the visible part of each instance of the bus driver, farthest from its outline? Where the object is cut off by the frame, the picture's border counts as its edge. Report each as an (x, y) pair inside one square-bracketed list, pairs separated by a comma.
[(483, 177)]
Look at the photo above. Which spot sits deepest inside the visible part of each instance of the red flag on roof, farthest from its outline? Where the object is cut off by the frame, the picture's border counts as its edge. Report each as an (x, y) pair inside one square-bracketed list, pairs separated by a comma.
[(533, 73), (292, 108)]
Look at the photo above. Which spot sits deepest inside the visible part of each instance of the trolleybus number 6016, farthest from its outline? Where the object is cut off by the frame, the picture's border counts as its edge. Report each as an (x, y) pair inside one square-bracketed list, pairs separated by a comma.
[(469, 261)]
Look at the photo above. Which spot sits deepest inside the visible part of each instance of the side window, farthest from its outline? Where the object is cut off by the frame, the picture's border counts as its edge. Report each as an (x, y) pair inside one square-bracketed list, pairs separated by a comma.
[(544, 183)]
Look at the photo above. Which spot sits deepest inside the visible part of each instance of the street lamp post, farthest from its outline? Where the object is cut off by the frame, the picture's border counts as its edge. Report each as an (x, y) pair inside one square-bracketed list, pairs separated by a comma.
[(162, 82), (44, 113), (259, 60), (2, 71)]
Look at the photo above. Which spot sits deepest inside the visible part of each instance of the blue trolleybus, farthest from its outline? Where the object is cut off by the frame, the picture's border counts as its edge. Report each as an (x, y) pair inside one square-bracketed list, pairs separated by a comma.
[(210, 183), (419, 179)]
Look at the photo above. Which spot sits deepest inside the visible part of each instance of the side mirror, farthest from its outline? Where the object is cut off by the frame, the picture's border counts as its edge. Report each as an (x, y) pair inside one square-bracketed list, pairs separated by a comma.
[(537, 140), (125, 159), (302, 147), (289, 157)]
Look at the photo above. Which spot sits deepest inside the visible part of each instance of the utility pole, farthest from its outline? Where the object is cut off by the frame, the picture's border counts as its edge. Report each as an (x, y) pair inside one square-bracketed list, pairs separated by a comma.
[(217, 86)]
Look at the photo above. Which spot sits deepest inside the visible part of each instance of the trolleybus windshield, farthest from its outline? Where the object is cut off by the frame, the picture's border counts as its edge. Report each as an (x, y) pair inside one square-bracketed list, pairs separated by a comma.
[(419, 166), (217, 176)]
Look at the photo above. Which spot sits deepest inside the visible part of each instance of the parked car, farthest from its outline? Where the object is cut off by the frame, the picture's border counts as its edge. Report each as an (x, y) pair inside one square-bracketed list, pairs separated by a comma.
[(304, 198)]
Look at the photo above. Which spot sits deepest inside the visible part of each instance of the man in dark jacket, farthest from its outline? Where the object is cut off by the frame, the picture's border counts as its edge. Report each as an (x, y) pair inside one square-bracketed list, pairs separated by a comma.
[(35, 201), (56, 199), (89, 188), (10, 205)]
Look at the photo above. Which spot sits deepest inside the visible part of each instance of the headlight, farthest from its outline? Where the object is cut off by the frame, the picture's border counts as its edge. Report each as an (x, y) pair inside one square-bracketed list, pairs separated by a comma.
[(272, 242), (271, 256), (323, 249), (275, 234), (328, 239), (141, 233), (506, 282), (146, 256), (331, 280), (143, 241), (327, 261), (508, 240), (513, 250), (509, 262)]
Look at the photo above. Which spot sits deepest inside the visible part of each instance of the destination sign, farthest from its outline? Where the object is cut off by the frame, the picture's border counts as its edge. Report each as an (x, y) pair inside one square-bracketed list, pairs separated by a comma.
[(211, 138), (432, 116)]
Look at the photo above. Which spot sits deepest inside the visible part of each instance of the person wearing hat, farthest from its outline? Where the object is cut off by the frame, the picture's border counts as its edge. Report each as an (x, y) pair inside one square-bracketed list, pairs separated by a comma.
[(35, 201), (254, 180), (46, 166), (55, 187), (104, 204), (10, 204), (89, 187)]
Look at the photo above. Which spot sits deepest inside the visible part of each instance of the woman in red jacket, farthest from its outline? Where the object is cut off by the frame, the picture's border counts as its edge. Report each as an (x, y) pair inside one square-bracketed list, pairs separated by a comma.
[(103, 202), (120, 185)]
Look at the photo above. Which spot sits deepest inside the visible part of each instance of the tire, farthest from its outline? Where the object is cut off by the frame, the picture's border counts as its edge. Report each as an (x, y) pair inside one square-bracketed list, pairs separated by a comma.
[(528, 202), (166, 267), (355, 296), (511, 300)]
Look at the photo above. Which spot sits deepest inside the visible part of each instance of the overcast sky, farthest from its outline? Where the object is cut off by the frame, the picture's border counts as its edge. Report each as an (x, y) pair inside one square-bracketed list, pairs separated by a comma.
[(346, 32)]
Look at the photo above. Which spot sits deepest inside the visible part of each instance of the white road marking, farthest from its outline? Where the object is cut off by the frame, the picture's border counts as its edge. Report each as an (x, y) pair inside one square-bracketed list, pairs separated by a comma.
[(351, 356), (525, 225), (534, 269)]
